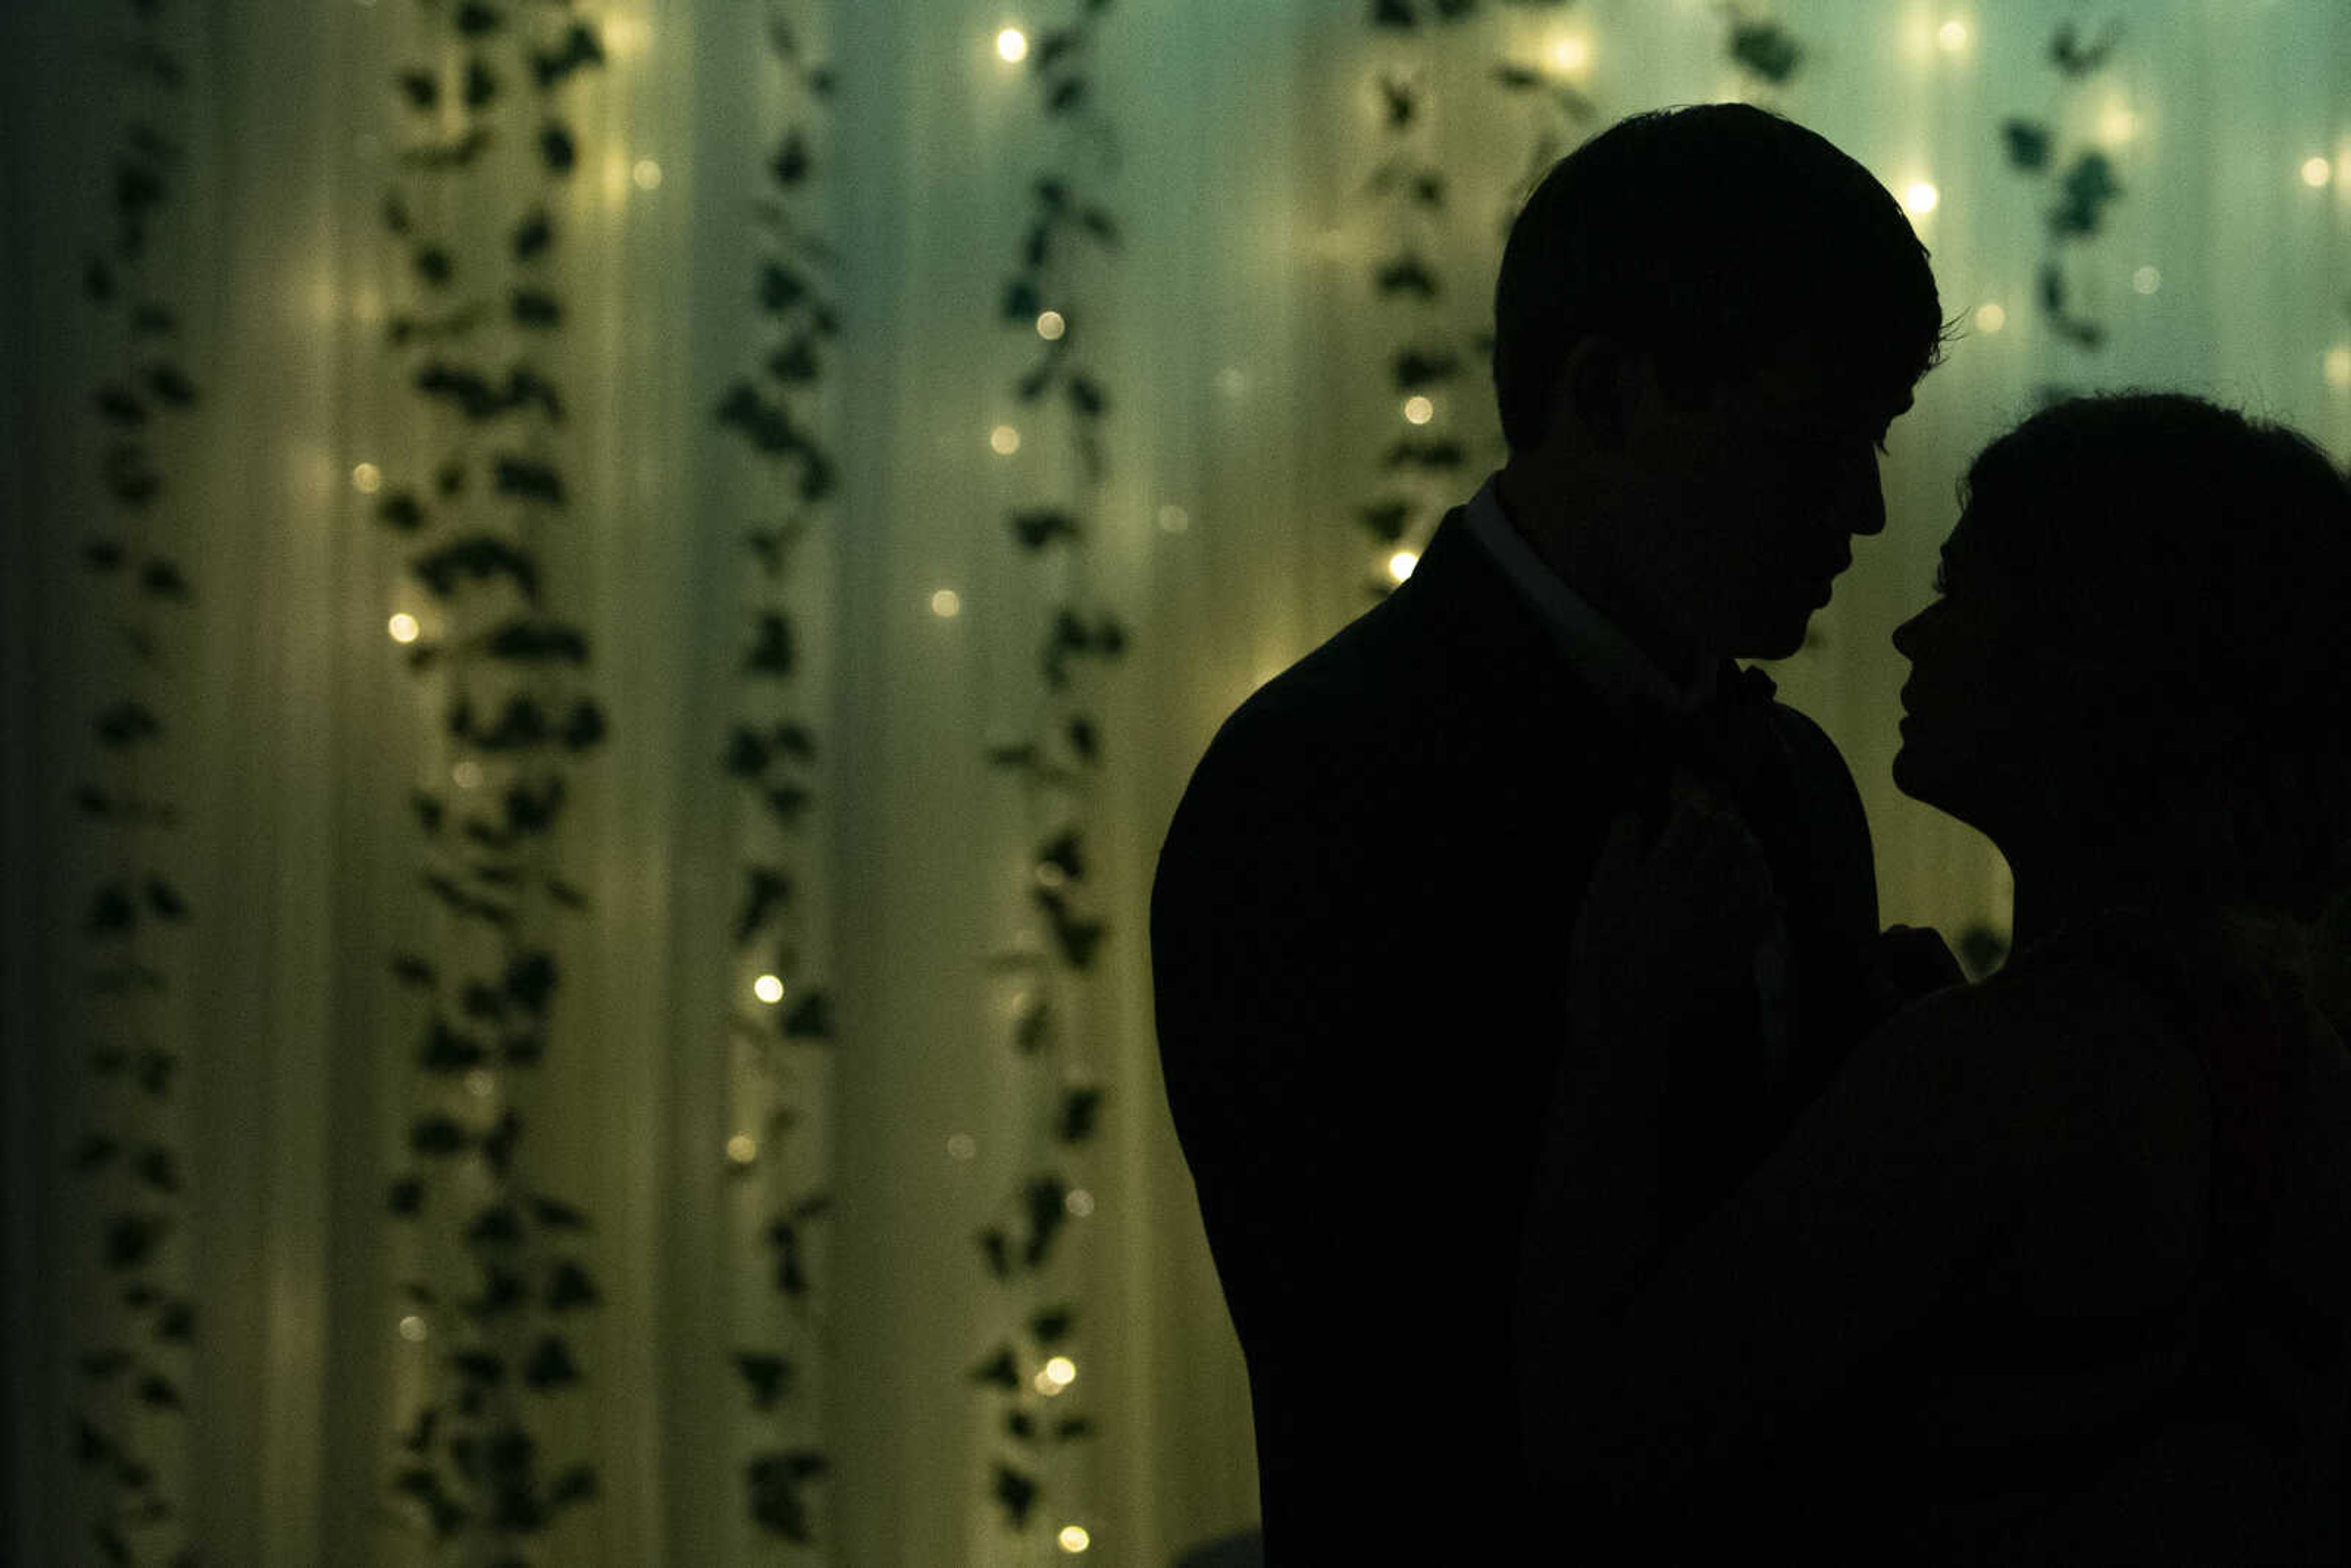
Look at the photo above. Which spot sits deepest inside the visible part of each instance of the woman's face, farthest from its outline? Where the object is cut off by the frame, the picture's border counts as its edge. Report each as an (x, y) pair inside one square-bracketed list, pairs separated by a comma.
[(1981, 728)]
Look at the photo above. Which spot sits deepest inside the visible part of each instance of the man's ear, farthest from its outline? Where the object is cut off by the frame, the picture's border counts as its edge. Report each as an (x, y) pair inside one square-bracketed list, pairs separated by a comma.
[(1595, 389)]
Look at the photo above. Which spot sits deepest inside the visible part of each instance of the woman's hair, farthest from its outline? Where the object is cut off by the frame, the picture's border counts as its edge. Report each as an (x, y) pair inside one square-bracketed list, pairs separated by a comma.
[(2189, 570), (1710, 237)]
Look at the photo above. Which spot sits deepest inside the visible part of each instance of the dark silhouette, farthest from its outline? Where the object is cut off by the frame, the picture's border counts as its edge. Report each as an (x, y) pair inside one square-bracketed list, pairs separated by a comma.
[(2057, 1269), (1705, 319)]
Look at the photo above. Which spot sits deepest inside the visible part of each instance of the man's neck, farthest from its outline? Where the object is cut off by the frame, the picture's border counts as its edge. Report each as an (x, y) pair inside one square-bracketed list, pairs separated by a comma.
[(1567, 544)]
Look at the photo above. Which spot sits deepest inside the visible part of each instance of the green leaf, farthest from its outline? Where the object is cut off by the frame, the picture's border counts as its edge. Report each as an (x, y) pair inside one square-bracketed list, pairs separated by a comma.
[(551, 1365), (435, 1135), (1078, 1110), (772, 654), (569, 1286), (790, 163), (768, 892), (1765, 49), (533, 235), (2028, 144), (1017, 1491), (557, 149), (1001, 1370), (770, 1376)]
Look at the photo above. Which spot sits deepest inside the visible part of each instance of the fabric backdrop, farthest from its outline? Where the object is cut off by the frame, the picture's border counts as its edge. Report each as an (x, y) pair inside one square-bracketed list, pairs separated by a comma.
[(1246, 353)]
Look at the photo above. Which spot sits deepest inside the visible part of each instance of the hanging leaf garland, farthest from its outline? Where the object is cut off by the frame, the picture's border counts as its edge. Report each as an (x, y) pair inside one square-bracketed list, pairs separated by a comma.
[(769, 754), (2082, 186), (480, 115), (139, 1327), (1055, 768)]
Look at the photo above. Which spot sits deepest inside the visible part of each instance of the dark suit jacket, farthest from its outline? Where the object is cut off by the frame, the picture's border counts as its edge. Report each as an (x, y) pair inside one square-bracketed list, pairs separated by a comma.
[(1358, 932)]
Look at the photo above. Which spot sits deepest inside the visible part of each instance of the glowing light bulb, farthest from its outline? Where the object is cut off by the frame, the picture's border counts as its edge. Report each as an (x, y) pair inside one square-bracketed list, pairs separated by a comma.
[(1419, 410), (2147, 280), (1571, 54), (481, 1083), (1050, 325), (647, 174), (1175, 519), (1919, 198), (2117, 124), (467, 774), (1005, 439), (1080, 1202), (404, 628), (769, 988), (946, 604), (1990, 318), (742, 1148), (2317, 172), (1013, 45), (1400, 564), (412, 1329), (1951, 37), (367, 478), (961, 1146), (1061, 1371), (1074, 1539), (2338, 368), (1049, 875), (1232, 381)]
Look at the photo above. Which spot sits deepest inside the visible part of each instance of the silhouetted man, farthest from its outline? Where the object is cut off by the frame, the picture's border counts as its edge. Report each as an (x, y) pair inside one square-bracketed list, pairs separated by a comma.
[(1705, 320)]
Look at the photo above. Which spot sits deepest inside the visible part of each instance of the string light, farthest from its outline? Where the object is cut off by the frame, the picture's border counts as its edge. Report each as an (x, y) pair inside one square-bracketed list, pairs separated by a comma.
[(1074, 1539), (2117, 124), (1400, 565), (412, 1329), (1951, 37), (1013, 45), (946, 604), (1419, 410), (1919, 198), (1990, 318), (961, 1146), (1049, 325), (1080, 1202), (367, 478), (742, 1148), (647, 174), (1175, 519), (1232, 381), (480, 1083), (1055, 1375), (1571, 53), (2317, 172), (404, 628), (467, 774), (2338, 368), (2147, 280), (1005, 439), (769, 988)]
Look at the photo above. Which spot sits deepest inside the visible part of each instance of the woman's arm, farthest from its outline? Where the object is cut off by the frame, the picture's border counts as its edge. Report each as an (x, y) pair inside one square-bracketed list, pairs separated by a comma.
[(1640, 1372)]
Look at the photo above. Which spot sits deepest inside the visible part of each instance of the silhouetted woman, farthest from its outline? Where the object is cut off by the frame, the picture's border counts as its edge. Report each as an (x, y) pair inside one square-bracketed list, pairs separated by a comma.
[(2058, 1268)]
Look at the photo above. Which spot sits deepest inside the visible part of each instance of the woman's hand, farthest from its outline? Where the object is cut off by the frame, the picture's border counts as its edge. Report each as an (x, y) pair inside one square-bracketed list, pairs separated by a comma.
[(1667, 928)]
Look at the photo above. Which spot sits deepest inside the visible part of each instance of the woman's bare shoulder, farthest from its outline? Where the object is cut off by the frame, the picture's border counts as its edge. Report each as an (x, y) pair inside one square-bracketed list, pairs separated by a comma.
[(2037, 1056)]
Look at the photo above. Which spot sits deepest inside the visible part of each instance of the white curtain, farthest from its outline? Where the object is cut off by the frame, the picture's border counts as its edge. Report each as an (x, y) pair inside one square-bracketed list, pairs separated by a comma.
[(1246, 355)]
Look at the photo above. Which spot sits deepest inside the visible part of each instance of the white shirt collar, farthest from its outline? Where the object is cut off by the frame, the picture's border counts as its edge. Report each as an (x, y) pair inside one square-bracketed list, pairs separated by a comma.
[(1602, 654)]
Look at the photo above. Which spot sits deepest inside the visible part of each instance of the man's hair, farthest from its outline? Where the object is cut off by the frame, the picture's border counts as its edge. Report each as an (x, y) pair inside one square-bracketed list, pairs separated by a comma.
[(1710, 237), (2186, 569)]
